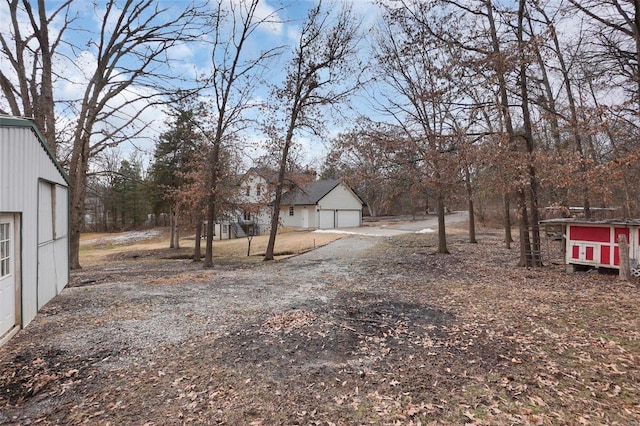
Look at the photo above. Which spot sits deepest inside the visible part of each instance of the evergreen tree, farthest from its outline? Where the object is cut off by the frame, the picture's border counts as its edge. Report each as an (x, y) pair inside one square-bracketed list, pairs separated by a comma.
[(131, 202), (177, 156)]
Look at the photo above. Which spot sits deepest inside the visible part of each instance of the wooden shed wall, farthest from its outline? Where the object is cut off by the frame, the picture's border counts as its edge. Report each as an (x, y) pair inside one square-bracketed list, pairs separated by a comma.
[(597, 244)]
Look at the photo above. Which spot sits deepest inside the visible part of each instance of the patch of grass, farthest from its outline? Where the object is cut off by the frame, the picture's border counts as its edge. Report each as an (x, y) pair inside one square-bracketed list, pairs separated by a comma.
[(98, 249)]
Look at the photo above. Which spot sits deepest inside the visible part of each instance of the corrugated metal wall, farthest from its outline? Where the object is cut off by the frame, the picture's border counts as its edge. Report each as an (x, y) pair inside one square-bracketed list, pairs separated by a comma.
[(32, 186)]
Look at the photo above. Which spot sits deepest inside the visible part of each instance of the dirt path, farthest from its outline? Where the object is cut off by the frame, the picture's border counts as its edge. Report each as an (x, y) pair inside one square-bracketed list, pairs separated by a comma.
[(366, 330)]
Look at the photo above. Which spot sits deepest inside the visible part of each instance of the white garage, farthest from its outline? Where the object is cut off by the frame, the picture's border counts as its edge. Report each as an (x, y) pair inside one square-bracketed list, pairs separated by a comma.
[(34, 222), (348, 218), (326, 219), (323, 204)]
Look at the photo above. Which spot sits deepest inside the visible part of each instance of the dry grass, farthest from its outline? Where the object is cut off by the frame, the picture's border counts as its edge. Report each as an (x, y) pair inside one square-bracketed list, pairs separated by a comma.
[(98, 248)]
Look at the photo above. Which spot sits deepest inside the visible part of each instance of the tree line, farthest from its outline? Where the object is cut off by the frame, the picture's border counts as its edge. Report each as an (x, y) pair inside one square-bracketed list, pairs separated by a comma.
[(533, 103)]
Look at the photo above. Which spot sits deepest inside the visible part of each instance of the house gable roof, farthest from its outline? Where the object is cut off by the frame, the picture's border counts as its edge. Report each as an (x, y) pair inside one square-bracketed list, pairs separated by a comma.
[(9, 121), (309, 194), (270, 175)]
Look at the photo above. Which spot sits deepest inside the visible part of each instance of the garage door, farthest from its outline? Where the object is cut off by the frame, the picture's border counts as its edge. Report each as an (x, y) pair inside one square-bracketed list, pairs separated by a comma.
[(348, 218), (326, 219), (7, 276)]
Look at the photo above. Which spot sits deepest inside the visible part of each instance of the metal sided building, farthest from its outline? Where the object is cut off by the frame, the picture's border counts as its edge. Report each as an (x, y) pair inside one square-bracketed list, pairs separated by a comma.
[(595, 242), (34, 224)]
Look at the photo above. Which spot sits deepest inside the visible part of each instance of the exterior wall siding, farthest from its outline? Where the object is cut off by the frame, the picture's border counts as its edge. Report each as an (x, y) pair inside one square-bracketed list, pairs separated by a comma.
[(24, 164), (597, 245), (340, 198), (253, 181), (295, 221)]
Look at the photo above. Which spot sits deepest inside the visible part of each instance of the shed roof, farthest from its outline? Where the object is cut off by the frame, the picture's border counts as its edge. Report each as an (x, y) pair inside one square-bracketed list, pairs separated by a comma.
[(22, 122), (583, 221), (309, 194)]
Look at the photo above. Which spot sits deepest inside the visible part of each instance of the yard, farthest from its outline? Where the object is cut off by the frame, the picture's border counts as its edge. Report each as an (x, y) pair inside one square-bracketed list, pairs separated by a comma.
[(364, 330)]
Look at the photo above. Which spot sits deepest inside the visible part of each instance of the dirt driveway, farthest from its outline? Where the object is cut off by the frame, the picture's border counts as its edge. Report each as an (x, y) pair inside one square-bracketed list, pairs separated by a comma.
[(366, 330)]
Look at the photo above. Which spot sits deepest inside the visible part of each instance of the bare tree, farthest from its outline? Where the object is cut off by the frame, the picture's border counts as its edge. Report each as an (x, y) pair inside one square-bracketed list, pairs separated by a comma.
[(617, 38), (130, 52), (232, 82), (316, 76), (532, 255), (366, 158), (30, 92), (421, 72)]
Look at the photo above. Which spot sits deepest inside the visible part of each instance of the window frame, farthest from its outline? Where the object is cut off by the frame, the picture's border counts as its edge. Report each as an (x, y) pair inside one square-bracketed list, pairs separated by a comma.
[(5, 250)]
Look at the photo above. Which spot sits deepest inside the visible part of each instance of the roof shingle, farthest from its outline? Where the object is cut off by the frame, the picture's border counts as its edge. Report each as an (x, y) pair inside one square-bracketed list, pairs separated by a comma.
[(309, 194)]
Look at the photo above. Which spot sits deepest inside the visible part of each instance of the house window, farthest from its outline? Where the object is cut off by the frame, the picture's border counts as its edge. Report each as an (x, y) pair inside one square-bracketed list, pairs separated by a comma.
[(4, 250), (258, 190), (248, 191), (247, 215), (291, 211)]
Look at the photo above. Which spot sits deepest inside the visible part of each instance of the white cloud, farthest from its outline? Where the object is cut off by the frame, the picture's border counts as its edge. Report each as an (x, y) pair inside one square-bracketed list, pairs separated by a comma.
[(270, 17), (265, 14)]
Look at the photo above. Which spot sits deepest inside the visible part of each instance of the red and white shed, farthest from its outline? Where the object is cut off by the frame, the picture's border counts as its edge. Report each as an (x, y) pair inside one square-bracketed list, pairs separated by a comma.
[(595, 243)]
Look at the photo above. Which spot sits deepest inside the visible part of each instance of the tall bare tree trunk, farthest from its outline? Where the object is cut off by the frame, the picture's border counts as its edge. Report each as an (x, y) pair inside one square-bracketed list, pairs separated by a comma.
[(320, 62), (506, 204), (211, 202), (76, 219), (229, 68), (176, 232), (442, 231), (523, 229), (472, 216), (275, 214), (573, 119), (534, 258), (197, 252), (506, 115)]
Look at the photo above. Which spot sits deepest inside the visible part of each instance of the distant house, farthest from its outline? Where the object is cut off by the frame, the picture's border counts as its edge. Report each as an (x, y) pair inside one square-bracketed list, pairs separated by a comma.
[(251, 211), (256, 191), (322, 204), (34, 218)]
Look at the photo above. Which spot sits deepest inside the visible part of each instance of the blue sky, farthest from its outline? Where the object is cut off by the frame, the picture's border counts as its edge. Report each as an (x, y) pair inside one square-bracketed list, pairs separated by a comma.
[(192, 59), (188, 60), (288, 17)]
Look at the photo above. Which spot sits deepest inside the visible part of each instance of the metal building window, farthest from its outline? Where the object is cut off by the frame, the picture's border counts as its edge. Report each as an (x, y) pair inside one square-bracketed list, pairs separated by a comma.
[(4, 250), (291, 211)]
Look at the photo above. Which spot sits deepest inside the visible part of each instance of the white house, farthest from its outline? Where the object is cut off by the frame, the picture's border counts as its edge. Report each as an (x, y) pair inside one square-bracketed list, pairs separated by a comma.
[(252, 210), (322, 204), (256, 191), (34, 223)]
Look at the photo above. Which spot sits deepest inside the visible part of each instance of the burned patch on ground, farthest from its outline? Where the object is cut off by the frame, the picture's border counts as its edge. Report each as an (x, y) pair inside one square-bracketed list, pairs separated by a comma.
[(333, 336)]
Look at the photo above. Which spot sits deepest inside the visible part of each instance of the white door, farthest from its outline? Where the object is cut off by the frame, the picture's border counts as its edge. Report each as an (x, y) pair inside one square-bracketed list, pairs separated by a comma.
[(305, 218), (326, 218), (348, 218), (7, 275)]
